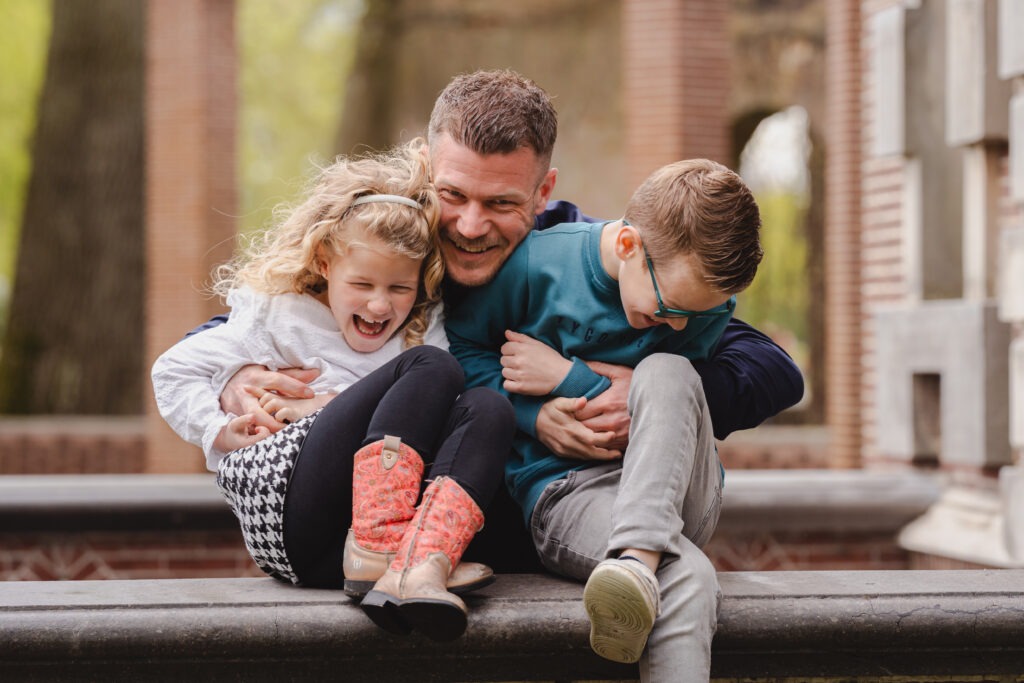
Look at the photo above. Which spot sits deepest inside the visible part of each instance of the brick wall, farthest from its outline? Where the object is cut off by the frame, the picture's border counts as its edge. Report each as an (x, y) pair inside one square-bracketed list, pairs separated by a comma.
[(221, 554), (676, 82), (124, 555), (843, 231), (190, 182), (883, 280), (801, 552), (58, 445)]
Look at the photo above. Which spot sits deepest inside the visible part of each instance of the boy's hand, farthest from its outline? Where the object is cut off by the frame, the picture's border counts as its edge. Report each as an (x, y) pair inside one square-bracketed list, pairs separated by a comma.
[(286, 410), (607, 412), (531, 367), (559, 428), (240, 432), (238, 399)]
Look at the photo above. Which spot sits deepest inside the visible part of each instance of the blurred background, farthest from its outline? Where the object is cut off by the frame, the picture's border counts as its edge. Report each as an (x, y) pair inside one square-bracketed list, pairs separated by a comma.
[(884, 141)]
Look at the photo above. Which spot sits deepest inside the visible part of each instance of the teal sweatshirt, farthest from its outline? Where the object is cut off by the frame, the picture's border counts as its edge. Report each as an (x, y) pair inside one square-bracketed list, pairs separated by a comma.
[(554, 289)]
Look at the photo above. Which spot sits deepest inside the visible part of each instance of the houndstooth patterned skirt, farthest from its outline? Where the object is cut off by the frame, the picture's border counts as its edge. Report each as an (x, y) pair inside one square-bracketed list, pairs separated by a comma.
[(254, 480)]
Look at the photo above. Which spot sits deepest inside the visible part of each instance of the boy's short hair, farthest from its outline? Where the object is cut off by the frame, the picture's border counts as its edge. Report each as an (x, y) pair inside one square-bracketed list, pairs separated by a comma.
[(700, 207), (496, 112)]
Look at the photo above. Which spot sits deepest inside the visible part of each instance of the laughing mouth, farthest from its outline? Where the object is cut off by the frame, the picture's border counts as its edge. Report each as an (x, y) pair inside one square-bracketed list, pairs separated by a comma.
[(368, 327)]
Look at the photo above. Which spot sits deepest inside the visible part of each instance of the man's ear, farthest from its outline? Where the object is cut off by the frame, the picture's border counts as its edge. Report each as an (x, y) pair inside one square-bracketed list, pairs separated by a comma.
[(544, 190), (627, 242)]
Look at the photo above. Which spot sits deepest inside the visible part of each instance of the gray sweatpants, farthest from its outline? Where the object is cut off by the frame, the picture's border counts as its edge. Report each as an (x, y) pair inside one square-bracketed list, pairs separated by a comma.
[(665, 495)]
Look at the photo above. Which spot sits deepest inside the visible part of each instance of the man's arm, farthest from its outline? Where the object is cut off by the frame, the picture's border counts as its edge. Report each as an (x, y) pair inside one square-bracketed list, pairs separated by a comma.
[(211, 323), (747, 379)]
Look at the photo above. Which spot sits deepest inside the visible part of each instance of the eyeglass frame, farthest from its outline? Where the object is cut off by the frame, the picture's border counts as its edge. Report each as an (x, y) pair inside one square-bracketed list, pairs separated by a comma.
[(664, 311)]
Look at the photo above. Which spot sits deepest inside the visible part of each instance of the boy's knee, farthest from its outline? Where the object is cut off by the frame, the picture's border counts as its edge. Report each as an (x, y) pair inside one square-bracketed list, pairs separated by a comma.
[(665, 368)]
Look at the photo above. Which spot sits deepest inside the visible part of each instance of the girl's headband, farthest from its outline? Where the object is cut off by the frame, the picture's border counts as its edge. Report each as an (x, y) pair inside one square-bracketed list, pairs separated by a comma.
[(391, 198)]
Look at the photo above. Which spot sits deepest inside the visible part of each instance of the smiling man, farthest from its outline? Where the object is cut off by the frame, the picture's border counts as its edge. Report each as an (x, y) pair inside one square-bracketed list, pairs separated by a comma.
[(491, 137)]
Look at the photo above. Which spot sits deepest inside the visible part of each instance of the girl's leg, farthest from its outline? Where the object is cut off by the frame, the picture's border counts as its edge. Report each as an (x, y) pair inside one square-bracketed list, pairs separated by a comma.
[(469, 467), (410, 397), (475, 443)]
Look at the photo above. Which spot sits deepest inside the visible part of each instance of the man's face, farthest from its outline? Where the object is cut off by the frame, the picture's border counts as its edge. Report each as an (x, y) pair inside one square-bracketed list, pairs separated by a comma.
[(488, 204)]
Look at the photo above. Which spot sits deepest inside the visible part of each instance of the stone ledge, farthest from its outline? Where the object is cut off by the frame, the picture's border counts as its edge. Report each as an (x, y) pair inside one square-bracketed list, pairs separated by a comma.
[(791, 500), (524, 627)]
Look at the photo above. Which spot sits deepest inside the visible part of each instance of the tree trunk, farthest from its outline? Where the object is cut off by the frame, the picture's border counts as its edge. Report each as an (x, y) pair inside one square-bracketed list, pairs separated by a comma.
[(74, 340)]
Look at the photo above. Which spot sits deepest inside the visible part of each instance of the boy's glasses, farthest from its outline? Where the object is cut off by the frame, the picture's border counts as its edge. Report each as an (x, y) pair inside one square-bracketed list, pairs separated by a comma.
[(664, 311)]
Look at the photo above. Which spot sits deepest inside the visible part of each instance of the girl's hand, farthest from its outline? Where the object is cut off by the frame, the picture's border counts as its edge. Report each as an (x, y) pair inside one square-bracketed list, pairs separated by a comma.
[(287, 410), (242, 392), (240, 432), (530, 367)]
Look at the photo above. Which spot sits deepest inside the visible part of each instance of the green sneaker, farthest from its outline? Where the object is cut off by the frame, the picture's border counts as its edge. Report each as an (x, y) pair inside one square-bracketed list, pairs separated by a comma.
[(622, 599)]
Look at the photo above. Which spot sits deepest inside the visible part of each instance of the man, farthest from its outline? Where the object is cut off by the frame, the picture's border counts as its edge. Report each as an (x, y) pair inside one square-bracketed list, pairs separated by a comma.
[(491, 136)]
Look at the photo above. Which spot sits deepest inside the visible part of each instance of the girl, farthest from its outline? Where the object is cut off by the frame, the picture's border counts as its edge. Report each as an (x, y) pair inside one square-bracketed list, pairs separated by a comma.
[(349, 284)]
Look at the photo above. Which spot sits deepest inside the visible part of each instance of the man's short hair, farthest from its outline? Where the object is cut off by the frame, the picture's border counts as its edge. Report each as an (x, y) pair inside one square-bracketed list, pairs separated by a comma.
[(700, 207), (496, 112)]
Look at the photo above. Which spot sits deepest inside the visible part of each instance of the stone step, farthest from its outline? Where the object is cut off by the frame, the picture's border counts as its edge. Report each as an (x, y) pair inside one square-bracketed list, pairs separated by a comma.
[(523, 628)]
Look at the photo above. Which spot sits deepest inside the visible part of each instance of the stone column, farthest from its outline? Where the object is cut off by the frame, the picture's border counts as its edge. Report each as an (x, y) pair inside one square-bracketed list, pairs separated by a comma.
[(190, 183), (843, 231), (675, 83), (1010, 287)]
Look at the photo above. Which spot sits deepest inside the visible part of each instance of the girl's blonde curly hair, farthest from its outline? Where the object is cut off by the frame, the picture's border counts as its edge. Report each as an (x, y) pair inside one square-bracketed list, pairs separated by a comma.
[(289, 256)]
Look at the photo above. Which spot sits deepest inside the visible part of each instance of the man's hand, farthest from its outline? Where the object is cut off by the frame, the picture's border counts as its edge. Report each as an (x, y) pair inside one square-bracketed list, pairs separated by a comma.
[(240, 432), (531, 367), (287, 410), (559, 428), (240, 398), (607, 412)]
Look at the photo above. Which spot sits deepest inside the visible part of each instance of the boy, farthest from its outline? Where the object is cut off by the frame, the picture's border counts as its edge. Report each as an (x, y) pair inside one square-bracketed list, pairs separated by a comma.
[(649, 291)]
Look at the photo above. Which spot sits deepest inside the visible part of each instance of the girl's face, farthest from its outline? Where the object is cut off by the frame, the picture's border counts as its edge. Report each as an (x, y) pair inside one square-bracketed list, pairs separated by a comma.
[(371, 291)]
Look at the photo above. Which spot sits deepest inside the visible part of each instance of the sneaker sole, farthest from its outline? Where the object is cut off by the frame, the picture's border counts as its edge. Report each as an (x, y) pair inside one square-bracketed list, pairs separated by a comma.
[(620, 619)]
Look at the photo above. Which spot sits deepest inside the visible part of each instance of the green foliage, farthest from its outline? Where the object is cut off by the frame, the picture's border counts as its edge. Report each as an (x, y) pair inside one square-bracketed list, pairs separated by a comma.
[(295, 58), (24, 37), (777, 301)]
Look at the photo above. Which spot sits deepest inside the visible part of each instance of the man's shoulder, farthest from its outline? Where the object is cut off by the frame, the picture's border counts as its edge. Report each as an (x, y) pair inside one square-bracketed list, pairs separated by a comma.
[(560, 211)]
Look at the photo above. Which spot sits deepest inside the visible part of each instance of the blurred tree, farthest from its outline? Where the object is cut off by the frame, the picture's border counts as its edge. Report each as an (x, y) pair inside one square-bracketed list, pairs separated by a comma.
[(24, 32), (294, 56), (74, 339)]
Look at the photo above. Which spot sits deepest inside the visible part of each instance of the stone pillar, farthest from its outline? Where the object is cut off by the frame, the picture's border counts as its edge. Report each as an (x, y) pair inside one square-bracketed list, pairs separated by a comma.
[(976, 120), (1011, 265), (675, 82), (843, 231), (190, 183)]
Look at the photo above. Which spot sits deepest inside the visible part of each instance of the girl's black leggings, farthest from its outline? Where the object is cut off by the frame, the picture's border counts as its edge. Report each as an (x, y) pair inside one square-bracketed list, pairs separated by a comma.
[(418, 396)]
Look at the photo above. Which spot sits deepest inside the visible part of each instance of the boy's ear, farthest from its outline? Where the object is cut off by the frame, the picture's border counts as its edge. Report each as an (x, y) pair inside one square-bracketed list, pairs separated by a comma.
[(627, 242)]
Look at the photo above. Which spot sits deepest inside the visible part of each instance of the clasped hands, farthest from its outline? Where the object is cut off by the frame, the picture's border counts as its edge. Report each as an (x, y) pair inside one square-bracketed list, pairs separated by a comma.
[(265, 402), (597, 429)]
